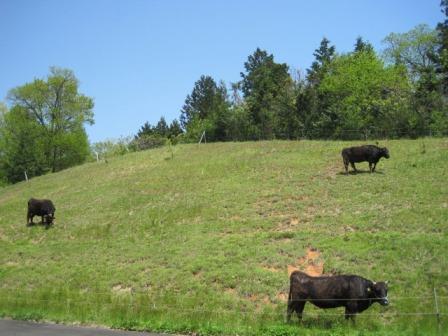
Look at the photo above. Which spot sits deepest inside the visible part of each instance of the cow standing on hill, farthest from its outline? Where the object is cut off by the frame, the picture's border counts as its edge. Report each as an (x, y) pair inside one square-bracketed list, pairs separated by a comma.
[(353, 292), (370, 153), (43, 208)]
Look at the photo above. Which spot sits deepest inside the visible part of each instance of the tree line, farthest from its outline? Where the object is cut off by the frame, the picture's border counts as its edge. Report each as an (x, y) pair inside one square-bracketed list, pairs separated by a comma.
[(361, 94)]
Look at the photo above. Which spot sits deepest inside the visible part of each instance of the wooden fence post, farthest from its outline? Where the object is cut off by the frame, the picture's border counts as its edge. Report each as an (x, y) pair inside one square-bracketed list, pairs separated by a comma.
[(437, 310)]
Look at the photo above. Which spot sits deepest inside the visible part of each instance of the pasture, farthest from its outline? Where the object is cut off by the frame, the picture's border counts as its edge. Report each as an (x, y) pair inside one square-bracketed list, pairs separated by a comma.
[(200, 240)]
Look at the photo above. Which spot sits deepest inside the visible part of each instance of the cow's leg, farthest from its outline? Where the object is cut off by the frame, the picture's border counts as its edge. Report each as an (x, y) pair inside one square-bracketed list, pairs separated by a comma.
[(289, 310), (30, 219), (296, 305), (346, 166), (300, 305), (350, 311), (370, 167), (353, 166), (374, 166)]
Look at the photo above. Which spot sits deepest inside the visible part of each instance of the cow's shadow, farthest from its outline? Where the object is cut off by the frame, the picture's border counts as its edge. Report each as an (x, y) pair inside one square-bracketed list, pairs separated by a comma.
[(352, 172), (324, 323), (41, 223)]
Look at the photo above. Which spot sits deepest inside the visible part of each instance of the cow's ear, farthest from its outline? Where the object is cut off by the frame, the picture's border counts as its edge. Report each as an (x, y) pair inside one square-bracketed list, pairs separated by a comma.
[(374, 283), (386, 282)]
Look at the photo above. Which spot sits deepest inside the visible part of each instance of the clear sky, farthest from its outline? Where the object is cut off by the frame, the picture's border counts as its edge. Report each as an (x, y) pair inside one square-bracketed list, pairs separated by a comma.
[(139, 59)]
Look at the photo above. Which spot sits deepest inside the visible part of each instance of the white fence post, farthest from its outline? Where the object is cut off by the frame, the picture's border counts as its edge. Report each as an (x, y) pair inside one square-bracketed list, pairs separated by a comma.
[(26, 176), (202, 137)]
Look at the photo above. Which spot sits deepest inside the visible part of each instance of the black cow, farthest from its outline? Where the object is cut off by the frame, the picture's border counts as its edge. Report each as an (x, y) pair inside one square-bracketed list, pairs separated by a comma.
[(369, 153), (353, 292), (43, 208)]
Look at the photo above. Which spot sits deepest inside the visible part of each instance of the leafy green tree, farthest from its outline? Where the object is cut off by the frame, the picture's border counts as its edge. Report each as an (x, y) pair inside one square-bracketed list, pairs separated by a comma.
[(112, 147), (263, 86), (60, 112), (419, 50), (364, 95), (22, 146), (287, 122), (412, 49), (239, 122)]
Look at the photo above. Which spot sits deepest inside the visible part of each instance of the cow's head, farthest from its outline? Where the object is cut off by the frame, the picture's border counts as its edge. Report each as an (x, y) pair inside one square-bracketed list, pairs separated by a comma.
[(49, 219), (385, 152), (378, 291)]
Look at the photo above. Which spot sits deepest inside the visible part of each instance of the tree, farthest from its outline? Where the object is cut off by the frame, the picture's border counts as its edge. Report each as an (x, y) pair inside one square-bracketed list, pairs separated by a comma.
[(175, 129), (146, 129), (162, 129), (364, 95), (206, 109), (441, 55), (22, 146), (263, 86), (362, 46), (421, 51), (56, 108), (324, 55), (314, 116), (412, 49)]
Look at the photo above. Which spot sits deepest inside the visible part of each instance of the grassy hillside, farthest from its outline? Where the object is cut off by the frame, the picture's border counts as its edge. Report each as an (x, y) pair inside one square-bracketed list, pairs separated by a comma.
[(201, 241)]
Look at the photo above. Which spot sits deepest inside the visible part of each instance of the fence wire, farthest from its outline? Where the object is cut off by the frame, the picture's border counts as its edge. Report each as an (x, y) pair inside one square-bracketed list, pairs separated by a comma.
[(179, 309)]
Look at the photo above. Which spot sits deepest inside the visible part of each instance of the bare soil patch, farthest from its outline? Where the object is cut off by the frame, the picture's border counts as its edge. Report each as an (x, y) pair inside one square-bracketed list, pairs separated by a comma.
[(311, 263), (121, 289)]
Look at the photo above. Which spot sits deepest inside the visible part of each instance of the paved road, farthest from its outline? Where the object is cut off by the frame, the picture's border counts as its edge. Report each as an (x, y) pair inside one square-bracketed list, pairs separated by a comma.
[(24, 328)]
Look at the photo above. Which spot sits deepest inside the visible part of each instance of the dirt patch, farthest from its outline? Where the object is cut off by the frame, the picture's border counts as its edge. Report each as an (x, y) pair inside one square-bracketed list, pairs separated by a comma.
[(282, 296), (272, 269), (311, 263), (230, 291), (293, 223), (121, 289)]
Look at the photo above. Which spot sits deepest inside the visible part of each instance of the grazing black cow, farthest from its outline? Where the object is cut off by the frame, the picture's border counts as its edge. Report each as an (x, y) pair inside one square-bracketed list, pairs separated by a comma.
[(43, 208), (353, 292), (370, 153)]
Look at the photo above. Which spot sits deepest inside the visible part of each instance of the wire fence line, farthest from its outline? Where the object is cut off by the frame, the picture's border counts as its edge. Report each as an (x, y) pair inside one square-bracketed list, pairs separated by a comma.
[(177, 307), (188, 311), (82, 292)]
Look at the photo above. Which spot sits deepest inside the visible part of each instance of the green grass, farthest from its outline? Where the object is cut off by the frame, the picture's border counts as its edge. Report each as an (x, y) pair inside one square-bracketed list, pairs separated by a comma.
[(201, 242)]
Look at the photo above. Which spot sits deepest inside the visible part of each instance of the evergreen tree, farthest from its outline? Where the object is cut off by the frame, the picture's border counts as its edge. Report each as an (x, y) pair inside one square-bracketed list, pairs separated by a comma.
[(362, 46), (263, 86), (175, 129), (206, 109), (324, 54), (145, 130), (161, 129), (315, 117), (442, 50)]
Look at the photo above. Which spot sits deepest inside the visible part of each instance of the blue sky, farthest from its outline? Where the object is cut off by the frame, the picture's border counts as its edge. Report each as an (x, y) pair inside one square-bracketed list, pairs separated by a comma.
[(140, 59)]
